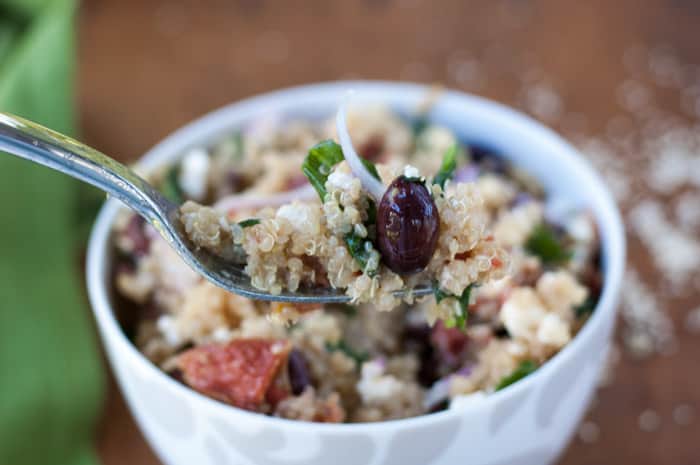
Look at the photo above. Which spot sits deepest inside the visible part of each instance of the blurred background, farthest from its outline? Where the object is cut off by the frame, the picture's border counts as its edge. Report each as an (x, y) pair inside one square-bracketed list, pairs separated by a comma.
[(621, 79)]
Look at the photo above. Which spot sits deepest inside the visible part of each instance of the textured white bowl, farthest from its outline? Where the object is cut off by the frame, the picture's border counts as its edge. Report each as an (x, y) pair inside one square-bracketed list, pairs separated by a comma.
[(529, 423)]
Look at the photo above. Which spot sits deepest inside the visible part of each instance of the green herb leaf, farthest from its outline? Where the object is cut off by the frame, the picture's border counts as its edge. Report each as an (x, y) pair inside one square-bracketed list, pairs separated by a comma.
[(439, 293), (249, 222), (170, 187), (349, 310), (319, 162), (586, 308), (525, 368), (447, 168), (371, 168), (359, 251), (342, 346), (544, 243), (459, 320), (371, 213)]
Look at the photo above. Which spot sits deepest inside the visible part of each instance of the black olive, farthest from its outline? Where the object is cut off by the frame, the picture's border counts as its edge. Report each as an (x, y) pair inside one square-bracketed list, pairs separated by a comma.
[(298, 372), (136, 233), (407, 226), (488, 159)]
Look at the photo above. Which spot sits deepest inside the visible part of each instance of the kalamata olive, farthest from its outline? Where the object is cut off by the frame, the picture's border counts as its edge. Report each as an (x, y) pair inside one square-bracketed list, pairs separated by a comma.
[(488, 159), (408, 223), (298, 372), (137, 235)]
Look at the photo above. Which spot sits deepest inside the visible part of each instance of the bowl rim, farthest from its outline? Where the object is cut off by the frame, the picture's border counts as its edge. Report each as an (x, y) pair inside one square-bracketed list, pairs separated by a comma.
[(608, 220)]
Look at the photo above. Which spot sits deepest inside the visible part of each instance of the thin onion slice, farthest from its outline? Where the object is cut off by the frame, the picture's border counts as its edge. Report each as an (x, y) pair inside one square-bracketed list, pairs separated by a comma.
[(239, 202), (438, 392), (375, 187)]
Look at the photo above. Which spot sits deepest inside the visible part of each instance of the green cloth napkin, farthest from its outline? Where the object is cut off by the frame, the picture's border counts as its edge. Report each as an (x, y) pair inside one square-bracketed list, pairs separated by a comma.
[(50, 370)]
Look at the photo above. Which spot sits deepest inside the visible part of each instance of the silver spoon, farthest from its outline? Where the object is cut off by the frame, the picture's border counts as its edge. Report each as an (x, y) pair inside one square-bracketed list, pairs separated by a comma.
[(36, 143)]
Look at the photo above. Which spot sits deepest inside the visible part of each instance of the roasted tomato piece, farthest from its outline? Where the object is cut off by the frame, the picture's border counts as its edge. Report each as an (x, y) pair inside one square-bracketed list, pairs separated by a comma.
[(238, 373)]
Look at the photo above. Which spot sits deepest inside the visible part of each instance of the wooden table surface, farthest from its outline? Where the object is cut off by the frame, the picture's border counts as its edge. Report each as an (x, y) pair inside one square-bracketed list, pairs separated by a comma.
[(148, 67)]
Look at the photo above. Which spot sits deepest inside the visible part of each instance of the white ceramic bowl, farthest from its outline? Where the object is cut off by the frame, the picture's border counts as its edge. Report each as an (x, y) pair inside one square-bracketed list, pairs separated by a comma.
[(529, 423)]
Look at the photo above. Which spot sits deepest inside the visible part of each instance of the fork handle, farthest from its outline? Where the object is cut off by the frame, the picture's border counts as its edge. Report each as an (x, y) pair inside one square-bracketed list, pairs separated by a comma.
[(41, 145)]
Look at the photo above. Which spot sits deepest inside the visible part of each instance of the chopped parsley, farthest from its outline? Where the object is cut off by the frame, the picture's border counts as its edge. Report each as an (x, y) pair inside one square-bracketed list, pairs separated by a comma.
[(460, 319), (447, 168), (249, 222), (343, 346), (321, 159), (525, 368), (347, 309), (319, 162), (360, 251), (170, 187), (586, 308), (544, 243)]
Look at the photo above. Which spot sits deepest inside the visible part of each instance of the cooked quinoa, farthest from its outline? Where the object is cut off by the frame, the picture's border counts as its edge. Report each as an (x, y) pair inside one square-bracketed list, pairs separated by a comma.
[(512, 285)]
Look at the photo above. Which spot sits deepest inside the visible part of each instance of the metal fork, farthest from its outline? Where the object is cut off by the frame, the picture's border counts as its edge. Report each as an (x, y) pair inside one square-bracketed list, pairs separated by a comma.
[(41, 145)]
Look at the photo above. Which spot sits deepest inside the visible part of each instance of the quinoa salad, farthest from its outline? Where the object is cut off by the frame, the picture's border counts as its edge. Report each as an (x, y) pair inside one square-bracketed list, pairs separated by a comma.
[(368, 202)]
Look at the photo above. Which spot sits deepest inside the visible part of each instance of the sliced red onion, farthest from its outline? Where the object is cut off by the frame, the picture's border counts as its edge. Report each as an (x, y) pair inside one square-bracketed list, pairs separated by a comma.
[(468, 173), (521, 199), (438, 393), (375, 187), (239, 202), (466, 370), (381, 362)]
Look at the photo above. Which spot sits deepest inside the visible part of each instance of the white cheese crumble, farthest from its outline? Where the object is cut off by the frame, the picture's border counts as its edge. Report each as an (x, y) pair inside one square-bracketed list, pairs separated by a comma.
[(560, 291), (340, 180), (374, 385), (553, 331), (411, 171), (522, 313), (166, 326), (301, 216), (465, 400), (194, 173)]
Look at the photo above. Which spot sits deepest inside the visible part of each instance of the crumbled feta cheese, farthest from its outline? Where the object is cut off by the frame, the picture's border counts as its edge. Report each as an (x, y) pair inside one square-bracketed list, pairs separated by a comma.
[(560, 291), (302, 217), (465, 400), (194, 173), (522, 312), (340, 180), (166, 326), (411, 171), (553, 331), (221, 335), (374, 385), (581, 228), (516, 349)]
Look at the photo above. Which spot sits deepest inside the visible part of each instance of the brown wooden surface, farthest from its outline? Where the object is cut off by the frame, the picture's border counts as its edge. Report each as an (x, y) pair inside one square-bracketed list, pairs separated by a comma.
[(148, 67)]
